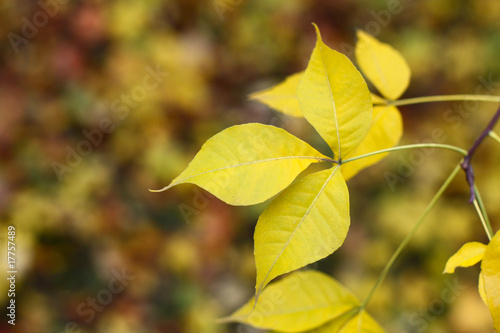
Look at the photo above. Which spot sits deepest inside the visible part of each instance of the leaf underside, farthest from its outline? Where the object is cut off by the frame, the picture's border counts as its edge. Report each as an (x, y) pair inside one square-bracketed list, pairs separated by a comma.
[(468, 255), (385, 132), (306, 222)]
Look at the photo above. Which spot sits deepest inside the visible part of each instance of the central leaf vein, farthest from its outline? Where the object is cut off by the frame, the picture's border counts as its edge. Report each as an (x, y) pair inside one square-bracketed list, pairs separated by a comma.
[(334, 106)]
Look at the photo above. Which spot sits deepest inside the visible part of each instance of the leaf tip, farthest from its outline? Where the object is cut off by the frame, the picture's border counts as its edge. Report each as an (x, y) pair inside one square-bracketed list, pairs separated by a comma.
[(160, 190), (318, 34)]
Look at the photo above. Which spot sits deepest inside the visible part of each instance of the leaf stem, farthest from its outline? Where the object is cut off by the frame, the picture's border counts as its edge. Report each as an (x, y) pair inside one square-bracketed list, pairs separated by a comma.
[(467, 162), (483, 215), (410, 235), (494, 136), (461, 151), (444, 98)]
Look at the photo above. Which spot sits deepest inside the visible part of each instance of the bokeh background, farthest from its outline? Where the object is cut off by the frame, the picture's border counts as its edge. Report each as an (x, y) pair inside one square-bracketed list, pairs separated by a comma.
[(149, 82)]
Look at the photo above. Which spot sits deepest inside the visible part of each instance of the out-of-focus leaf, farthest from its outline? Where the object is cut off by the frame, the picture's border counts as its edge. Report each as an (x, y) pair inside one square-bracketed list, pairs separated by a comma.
[(334, 98), (385, 132), (469, 254), (490, 268), (301, 301), (383, 65), (248, 164), (283, 96), (306, 222)]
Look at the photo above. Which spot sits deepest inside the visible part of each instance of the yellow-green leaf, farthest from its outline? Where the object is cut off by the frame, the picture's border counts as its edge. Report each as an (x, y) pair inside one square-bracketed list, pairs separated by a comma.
[(376, 99), (490, 268), (383, 65), (247, 164), (469, 254), (385, 132), (334, 98), (299, 302), (306, 222), (283, 96), (480, 287), (352, 322)]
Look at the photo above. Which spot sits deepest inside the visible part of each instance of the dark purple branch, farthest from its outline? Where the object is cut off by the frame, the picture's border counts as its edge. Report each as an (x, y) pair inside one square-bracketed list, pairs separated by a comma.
[(467, 163)]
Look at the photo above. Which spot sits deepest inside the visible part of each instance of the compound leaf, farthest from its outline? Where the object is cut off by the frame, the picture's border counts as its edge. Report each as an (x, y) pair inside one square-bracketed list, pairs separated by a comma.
[(469, 254), (300, 301), (306, 222), (283, 96), (383, 65), (334, 98), (247, 164), (490, 269), (385, 132)]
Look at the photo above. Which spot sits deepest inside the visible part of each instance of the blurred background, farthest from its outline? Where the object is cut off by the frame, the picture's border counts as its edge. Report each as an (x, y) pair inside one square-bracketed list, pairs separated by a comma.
[(102, 100)]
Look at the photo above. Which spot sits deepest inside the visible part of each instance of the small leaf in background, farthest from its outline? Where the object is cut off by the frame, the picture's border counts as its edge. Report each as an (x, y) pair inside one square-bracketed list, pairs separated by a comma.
[(300, 301), (490, 270), (283, 96), (334, 98), (306, 222), (384, 66), (385, 132), (469, 254), (248, 164)]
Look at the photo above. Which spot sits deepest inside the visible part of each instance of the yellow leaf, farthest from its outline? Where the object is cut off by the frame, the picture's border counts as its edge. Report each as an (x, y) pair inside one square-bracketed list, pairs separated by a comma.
[(247, 164), (490, 268), (469, 254), (480, 286), (385, 132), (334, 98), (306, 222), (299, 302), (283, 96), (376, 99), (383, 65), (353, 322)]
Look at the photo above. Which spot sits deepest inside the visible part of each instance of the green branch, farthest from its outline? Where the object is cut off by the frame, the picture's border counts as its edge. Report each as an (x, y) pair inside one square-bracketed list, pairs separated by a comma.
[(410, 235), (461, 151), (444, 98), (483, 215)]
